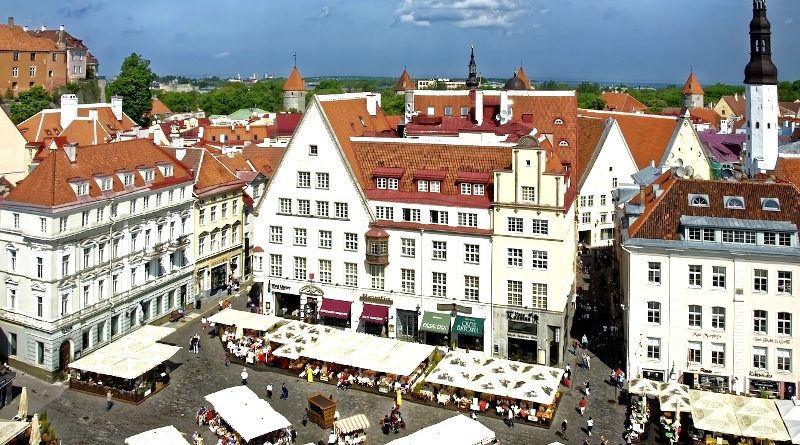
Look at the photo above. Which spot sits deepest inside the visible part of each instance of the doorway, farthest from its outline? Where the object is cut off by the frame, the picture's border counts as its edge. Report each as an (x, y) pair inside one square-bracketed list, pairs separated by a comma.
[(64, 356)]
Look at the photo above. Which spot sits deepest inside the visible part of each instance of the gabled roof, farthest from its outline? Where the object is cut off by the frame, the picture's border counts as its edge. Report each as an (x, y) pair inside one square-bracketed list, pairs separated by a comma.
[(692, 85), (622, 102), (159, 108), (523, 77), (738, 104), (14, 38), (85, 131), (788, 169), (404, 82), (47, 123), (48, 185), (210, 175), (794, 107), (285, 124), (264, 160), (698, 115), (723, 148), (243, 114), (52, 34), (662, 214), (294, 82), (648, 136), (590, 136)]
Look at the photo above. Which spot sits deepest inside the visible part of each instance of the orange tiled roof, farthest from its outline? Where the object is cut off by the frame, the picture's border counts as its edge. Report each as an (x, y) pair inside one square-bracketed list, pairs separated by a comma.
[(13, 38), (692, 85), (158, 108), (590, 132), (48, 185), (794, 107), (647, 136), (85, 131), (294, 82), (703, 115), (738, 104), (661, 218), (788, 169), (47, 123), (404, 82), (523, 77), (237, 133), (265, 160), (622, 102)]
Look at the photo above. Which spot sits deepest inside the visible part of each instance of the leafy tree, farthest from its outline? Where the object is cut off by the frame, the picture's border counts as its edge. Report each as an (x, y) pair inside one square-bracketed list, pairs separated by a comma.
[(179, 102), (590, 101), (133, 84), (588, 87), (327, 86), (552, 85), (714, 92), (438, 85), (393, 104), (29, 103), (265, 94), (789, 91)]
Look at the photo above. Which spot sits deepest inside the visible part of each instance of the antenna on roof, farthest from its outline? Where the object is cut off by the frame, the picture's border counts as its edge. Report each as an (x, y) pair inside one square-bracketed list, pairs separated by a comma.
[(294, 55)]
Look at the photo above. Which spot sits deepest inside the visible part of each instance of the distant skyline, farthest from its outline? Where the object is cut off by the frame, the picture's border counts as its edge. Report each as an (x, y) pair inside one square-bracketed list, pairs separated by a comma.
[(600, 40)]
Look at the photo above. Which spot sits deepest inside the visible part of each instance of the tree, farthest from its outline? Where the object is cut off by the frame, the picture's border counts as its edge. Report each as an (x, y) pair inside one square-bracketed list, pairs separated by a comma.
[(327, 86), (590, 101), (179, 102), (29, 103), (133, 84), (393, 104)]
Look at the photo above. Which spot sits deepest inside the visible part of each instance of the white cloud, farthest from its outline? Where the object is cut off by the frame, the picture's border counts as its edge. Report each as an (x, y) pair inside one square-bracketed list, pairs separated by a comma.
[(789, 21), (222, 54), (460, 13), (326, 11)]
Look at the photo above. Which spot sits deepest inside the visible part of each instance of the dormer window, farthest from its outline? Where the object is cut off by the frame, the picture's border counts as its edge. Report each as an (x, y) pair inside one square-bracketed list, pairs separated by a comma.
[(105, 184), (393, 183), (167, 170), (381, 183), (127, 179), (478, 189), (148, 175), (698, 200), (770, 204), (82, 189), (563, 143), (436, 186), (558, 121), (422, 185), (466, 188), (734, 202)]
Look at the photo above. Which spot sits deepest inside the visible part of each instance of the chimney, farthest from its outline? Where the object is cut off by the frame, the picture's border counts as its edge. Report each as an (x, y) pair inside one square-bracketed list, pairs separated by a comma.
[(69, 109), (177, 141), (62, 43), (222, 138), (641, 195), (478, 107), (10, 21), (373, 101), (93, 115), (70, 151), (44, 28), (653, 163), (25, 28), (200, 132), (505, 108), (247, 127), (116, 107), (736, 97), (180, 153)]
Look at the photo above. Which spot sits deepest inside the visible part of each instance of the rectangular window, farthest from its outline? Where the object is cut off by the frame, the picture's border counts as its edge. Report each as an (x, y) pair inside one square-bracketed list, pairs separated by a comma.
[(718, 354), (393, 183), (376, 277), (539, 293), (323, 181), (115, 284), (540, 227), (718, 277), (303, 207), (146, 202), (759, 321), (351, 241), (784, 282), (467, 219), (471, 288), (39, 353), (695, 352), (325, 239), (15, 71), (213, 213), (325, 271), (380, 183), (438, 217), (422, 186), (313, 150), (514, 224), (528, 193), (514, 257), (342, 210), (770, 238), (738, 236), (695, 276), (694, 233), (784, 360), (614, 183), (514, 292), (62, 224), (785, 323), (32, 69), (223, 210), (695, 316), (300, 237), (602, 200), (383, 212), (12, 297), (39, 267), (350, 274), (40, 306), (654, 272), (465, 188), (285, 205), (201, 216), (275, 265), (304, 180), (323, 209), (709, 235), (412, 215), (12, 344), (759, 357), (472, 253), (439, 281), (604, 217), (12, 260), (16, 220), (43, 225), (718, 318), (478, 189), (408, 247), (436, 186), (407, 278), (760, 280), (784, 239), (300, 268), (586, 218), (653, 347), (654, 312), (539, 259), (439, 250)]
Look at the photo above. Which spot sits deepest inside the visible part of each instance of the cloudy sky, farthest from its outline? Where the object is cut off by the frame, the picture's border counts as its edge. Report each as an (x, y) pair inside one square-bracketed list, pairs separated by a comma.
[(602, 40)]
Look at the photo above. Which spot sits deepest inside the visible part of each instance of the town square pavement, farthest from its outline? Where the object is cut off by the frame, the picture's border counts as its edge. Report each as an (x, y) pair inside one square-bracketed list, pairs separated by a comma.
[(80, 418)]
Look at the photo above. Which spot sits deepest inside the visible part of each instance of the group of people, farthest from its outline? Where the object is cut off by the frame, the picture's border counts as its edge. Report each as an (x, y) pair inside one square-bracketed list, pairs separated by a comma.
[(249, 349), (194, 343), (393, 422)]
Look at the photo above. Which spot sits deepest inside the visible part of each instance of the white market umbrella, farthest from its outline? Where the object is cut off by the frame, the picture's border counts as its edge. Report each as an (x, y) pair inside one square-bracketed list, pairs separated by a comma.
[(643, 386), (22, 410), (167, 435), (762, 427), (36, 431)]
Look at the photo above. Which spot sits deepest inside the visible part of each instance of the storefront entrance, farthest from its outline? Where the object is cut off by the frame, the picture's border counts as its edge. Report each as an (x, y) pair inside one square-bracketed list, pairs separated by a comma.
[(335, 313), (435, 328), (706, 382), (374, 318), (287, 305), (219, 277), (523, 350), (64, 356), (469, 331), (760, 387)]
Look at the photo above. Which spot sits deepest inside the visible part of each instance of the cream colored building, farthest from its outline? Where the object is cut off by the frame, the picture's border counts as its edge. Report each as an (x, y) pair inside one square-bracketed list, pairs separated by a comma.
[(13, 162)]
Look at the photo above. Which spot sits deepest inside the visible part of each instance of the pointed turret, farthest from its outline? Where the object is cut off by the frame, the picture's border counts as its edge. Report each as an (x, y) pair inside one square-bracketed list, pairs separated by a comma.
[(760, 70), (692, 94), (472, 78), (523, 77), (294, 92), (404, 83)]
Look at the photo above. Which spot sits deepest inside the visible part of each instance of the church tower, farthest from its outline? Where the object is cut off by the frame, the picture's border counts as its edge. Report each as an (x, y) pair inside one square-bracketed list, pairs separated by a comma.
[(692, 93), (761, 91), (294, 92), (472, 78)]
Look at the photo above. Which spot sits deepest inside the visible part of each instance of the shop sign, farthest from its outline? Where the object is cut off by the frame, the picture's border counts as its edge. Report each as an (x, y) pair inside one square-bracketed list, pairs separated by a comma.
[(707, 335), (521, 336), (760, 374), (279, 287), (525, 317), (376, 299), (468, 326), (774, 341)]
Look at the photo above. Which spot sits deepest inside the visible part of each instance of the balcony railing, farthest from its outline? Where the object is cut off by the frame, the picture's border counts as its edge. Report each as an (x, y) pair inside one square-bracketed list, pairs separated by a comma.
[(378, 260)]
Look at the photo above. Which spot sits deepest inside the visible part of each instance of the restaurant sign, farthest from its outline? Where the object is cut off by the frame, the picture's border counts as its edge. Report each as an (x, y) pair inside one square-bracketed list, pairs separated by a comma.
[(468, 326), (525, 317), (376, 299)]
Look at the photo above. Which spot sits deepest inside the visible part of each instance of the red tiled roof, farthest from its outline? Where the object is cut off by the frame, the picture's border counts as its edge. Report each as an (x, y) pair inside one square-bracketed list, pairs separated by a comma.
[(264, 160), (239, 133), (285, 124), (698, 115), (692, 85), (47, 123), (430, 175), (294, 82), (738, 104), (52, 35), (788, 169), (159, 108), (647, 136), (84, 131), (590, 132), (404, 82), (14, 38), (258, 249), (405, 225), (474, 177), (48, 185), (661, 218), (523, 77), (388, 172), (622, 102)]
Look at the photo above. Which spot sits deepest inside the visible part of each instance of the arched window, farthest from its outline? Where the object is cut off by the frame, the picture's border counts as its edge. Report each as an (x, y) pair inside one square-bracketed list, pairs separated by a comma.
[(700, 201), (758, 125), (771, 204), (563, 144), (558, 121), (734, 203)]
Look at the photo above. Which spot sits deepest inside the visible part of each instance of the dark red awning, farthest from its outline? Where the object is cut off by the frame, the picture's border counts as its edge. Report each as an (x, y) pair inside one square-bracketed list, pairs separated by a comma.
[(374, 313), (335, 308)]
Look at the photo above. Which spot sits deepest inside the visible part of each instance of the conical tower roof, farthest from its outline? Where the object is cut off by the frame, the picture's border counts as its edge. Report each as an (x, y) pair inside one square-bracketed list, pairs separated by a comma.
[(404, 82), (523, 77), (294, 82), (692, 85)]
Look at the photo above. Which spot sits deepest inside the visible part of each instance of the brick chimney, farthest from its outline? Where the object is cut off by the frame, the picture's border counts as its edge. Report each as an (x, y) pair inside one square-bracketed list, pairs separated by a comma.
[(10, 20), (62, 43)]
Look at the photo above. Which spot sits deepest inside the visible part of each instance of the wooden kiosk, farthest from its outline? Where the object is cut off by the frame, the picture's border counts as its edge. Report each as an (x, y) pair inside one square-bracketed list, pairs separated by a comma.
[(321, 410)]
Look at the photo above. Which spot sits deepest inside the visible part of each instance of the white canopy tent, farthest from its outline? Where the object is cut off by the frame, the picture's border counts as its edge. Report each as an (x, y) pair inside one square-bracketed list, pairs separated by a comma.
[(167, 435), (643, 386), (790, 412), (130, 356), (245, 319), (713, 411), (247, 414), (11, 429), (459, 429)]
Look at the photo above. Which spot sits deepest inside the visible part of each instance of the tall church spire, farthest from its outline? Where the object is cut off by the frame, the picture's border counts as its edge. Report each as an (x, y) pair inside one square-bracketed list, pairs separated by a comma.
[(760, 70), (472, 79)]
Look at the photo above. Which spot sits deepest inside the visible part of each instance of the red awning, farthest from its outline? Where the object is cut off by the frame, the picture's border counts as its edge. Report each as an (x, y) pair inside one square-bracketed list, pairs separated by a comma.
[(374, 313), (335, 308)]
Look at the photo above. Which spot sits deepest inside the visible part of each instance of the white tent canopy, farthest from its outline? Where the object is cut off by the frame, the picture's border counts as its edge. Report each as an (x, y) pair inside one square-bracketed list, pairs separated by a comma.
[(459, 429), (10, 429), (131, 356), (167, 435), (248, 415), (245, 319), (790, 412), (713, 411)]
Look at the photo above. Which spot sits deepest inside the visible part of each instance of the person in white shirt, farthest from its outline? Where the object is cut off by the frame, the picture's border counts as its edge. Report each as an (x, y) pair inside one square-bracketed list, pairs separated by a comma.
[(244, 376)]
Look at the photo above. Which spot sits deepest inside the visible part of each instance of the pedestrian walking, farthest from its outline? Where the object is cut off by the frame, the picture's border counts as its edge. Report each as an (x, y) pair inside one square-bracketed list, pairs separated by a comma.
[(582, 405), (584, 342), (269, 390), (564, 429), (109, 402), (203, 323), (305, 417), (589, 425), (587, 389), (588, 361), (244, 376), (219, 304), (510, 418), (284, 392)]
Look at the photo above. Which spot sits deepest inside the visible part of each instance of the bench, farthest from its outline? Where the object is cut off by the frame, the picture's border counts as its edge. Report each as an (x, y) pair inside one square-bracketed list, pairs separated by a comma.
[(176, 315)]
